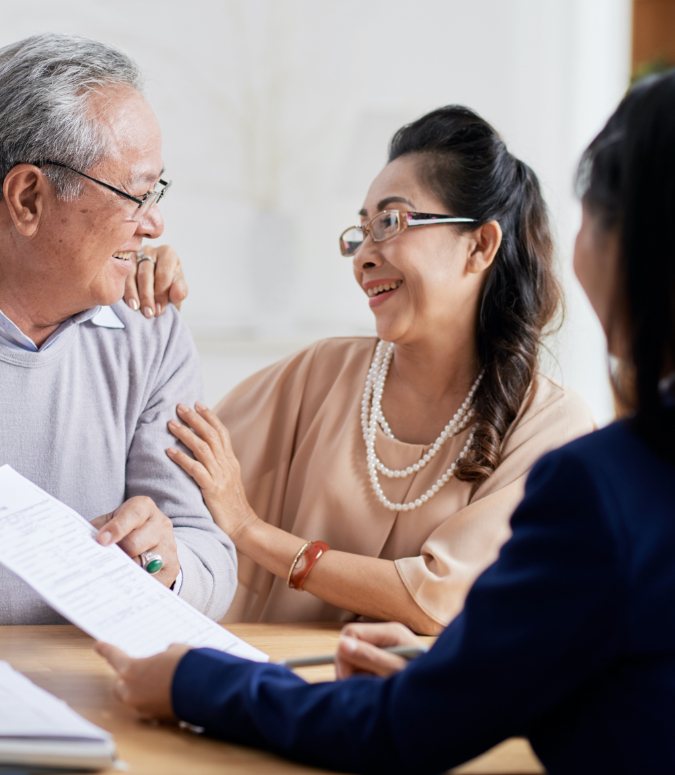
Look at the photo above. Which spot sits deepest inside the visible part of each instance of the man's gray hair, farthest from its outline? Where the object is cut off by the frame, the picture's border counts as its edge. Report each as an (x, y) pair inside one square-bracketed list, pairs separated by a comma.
[(45, 85)]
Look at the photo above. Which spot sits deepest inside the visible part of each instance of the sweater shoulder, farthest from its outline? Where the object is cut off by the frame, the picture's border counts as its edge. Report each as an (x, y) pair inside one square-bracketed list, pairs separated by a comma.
[(138, 334)]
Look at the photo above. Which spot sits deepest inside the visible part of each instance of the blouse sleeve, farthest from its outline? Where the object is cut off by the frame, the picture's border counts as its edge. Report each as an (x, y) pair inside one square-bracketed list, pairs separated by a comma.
[(460, 548), (262, 416)]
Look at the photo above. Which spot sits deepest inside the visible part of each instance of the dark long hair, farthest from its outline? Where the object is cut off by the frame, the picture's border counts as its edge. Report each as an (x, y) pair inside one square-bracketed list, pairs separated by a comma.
[(626, 179), (468, 167)]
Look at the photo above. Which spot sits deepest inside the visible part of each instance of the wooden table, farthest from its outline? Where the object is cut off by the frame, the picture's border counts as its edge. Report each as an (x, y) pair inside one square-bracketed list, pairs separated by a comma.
[(60, 658)]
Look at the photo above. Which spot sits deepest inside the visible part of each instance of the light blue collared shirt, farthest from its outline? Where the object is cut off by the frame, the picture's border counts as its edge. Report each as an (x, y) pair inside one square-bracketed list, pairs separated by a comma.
[(14, 337)]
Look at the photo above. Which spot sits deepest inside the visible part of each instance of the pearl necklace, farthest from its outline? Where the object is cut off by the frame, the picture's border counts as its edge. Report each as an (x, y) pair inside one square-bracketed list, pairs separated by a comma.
[(372, 416)]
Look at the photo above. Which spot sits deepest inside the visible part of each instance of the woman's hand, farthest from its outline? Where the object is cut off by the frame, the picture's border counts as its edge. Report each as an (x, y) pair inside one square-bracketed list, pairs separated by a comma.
[(360, 649), (157, 282), (214, 467), (144, 684), (139, 526)]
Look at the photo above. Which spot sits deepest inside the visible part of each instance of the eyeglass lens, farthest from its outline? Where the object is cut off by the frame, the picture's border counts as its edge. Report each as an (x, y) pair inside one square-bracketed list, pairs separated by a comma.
[(384, 225), (151, 199), (351, 240)]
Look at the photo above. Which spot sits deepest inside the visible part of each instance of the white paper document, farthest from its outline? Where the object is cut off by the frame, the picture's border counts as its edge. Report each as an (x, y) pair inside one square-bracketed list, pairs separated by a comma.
[(98, 588), (38, 729)]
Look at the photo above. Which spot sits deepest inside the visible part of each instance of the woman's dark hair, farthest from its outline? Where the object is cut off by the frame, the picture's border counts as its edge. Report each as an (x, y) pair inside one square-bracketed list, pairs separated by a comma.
[(626, 180), (468, 167)]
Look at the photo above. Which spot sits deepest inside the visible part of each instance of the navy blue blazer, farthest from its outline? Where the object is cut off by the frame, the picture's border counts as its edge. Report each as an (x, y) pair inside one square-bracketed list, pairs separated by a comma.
[(567, 639)]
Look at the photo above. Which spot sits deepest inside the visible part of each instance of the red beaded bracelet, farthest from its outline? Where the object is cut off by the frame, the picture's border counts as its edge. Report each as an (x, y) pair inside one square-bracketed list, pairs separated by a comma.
[(304, 561)]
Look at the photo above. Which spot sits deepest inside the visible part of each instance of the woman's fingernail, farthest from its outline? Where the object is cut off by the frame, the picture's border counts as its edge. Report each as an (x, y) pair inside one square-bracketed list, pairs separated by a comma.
[(148, 312), (133, 303), (349, 643), (105, 539), (202, 407), (181, 408), (158, 309)]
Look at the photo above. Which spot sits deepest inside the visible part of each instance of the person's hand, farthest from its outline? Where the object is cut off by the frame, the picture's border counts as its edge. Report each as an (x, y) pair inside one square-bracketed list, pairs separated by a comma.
[(155, 283), (145, 684), (360, 649), (214, 467), (139, 526)]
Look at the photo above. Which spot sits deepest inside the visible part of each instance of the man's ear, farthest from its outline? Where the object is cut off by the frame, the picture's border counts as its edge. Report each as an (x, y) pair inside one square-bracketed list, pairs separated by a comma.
[(24, 192), (486, 241)]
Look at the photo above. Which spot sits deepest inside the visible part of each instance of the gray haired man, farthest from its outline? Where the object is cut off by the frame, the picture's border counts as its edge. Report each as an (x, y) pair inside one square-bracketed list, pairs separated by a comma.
[(87, 385)]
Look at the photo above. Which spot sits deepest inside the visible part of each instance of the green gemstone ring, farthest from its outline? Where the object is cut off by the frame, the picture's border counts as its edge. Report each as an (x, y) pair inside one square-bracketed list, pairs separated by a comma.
[(152, 562)]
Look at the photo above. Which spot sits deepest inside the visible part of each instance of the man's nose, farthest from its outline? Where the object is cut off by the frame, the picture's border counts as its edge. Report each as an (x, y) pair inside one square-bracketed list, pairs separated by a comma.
[(151, 224)]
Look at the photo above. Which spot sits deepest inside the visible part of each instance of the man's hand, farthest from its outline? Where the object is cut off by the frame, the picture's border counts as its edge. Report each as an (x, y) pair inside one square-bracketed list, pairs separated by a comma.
[(360, 649), (145, 684), (138, 526)]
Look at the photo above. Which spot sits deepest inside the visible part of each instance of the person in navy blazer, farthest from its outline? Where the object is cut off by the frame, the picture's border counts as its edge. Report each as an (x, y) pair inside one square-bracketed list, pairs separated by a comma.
[(569, 637)]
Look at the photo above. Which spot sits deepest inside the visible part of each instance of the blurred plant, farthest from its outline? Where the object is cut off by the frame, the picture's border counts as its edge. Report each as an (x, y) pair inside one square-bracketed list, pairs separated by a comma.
[(651, 67)]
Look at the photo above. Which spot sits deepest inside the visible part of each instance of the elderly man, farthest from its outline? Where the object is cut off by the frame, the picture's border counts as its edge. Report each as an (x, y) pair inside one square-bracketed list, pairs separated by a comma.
[(87, 388)]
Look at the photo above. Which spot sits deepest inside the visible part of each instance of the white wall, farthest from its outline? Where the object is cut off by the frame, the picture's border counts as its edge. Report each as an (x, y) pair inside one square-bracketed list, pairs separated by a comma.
[(277, 114)]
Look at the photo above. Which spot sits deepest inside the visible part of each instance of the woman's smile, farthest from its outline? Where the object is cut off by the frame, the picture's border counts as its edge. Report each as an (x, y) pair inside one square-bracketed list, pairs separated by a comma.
[(378, 291)]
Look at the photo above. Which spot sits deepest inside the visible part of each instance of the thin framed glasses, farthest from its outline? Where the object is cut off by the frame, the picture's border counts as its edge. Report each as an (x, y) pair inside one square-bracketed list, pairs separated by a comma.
[(387, 224), (144, 202)]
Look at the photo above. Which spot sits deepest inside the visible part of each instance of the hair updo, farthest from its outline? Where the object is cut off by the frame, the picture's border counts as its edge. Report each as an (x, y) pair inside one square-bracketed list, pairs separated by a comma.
[(466, 164)]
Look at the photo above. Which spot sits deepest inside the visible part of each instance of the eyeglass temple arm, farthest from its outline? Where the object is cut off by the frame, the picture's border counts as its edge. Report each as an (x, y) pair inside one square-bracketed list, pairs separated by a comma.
[(421, 219), (166, 185), (94, 180)]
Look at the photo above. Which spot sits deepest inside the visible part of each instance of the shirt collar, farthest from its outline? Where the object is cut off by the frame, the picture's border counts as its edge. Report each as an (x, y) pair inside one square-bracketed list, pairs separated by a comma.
[(13, 336)]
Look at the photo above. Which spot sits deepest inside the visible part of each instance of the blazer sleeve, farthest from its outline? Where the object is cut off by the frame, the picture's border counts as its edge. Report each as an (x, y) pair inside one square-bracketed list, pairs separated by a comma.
[(537, 625)]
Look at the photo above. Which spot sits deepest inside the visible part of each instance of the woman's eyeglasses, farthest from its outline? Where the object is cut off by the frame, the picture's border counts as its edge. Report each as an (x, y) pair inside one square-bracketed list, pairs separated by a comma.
[(388, 224)]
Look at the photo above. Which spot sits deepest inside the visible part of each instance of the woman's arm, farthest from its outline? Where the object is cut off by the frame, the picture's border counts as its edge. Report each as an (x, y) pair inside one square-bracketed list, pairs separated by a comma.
[(145, 684), (368, 586)]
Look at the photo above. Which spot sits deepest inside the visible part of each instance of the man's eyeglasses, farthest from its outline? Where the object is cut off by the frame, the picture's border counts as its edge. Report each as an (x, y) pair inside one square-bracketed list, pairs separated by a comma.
[(145, 202), (388, 224)]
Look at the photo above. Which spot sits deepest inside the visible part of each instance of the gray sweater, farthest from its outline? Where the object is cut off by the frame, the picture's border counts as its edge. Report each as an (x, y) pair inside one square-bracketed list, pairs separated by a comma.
[(85, 419)]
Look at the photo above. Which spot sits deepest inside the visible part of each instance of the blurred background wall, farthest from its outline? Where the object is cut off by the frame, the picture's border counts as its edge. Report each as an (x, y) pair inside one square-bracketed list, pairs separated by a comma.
[(277, 115)]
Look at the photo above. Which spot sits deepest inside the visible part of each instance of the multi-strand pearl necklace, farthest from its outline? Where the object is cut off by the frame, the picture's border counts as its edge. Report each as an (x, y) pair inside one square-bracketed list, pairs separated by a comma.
[(372, 416)]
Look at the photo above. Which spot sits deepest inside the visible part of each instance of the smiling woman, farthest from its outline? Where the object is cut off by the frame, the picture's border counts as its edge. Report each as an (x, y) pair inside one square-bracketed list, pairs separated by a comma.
[(406, 453)]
